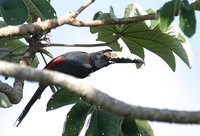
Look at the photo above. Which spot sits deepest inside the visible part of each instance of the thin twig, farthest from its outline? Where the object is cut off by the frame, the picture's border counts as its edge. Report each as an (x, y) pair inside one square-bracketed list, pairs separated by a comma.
[(99, 98), (84, 6), (77, 45), (81, 45), (74, 45)]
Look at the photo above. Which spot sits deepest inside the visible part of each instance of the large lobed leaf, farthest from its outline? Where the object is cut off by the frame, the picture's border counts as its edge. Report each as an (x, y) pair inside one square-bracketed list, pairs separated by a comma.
[(142, 35)]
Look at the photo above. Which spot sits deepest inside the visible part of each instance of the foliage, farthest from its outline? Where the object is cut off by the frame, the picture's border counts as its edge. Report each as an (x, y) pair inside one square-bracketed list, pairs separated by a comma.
[(158, 36), (139, 36), (19, 11), (99, 121), (186, 14)]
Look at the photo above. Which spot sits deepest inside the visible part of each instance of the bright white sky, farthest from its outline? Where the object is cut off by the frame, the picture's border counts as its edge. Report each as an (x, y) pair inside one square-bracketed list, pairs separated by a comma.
[(154, 85)]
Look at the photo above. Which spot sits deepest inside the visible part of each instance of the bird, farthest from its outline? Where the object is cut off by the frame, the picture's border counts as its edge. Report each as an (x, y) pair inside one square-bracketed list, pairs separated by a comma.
[(79, 64)]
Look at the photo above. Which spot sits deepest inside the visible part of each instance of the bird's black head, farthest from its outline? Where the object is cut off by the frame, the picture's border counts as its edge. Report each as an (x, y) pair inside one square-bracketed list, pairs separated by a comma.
[(103, 58), (99, 59)]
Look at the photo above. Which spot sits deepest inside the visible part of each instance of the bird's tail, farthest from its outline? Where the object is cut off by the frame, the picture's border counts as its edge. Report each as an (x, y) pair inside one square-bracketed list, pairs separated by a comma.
[(37, 95)]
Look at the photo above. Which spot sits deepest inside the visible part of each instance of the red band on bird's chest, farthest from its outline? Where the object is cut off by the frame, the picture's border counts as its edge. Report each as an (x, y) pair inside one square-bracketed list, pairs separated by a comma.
[(88, 57), (54, 62)]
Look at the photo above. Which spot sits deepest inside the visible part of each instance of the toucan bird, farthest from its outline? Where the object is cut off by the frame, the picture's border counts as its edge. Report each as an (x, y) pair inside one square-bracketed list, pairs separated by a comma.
[(80, 64)]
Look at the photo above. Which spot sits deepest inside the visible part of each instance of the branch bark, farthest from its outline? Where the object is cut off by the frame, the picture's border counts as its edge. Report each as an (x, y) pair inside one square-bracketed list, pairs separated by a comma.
[(70, 19), (97, 97)]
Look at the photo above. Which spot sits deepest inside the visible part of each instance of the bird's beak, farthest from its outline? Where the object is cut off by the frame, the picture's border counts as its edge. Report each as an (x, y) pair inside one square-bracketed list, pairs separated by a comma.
[(123, 57)]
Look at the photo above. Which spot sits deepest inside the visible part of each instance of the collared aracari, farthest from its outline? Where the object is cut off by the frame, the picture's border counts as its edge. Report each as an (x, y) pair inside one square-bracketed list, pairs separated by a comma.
[(80, 64)]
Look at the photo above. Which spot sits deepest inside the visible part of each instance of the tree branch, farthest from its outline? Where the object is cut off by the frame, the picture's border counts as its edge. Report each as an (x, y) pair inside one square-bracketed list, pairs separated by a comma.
[(130, 20), (97, 97), (45, 26)]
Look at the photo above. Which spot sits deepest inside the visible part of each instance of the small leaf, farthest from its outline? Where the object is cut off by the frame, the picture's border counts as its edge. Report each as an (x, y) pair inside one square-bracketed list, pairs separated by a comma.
[(76, 119), (112, 14), (144, 128), (196, 5), (61, 98), (154, 23), (104, 123), (129, 128), (96, 15), (166, 15), (46, 52), (187, 19), (181, 38), (4, 102), (133, 10), (14, 11)]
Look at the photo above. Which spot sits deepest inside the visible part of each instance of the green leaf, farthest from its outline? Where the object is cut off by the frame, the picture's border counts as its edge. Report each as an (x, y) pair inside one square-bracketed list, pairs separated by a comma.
[(166, 15), (76, 118), (132, 10), (61, 98), (4, 102), (14, 12), (141, 36), (181, 38), (159, 43), (12, 50), (187, 19), (112, 14), (196, 5), (104, 123), (144, 128), (40, 8), (154, 23), (129, 128), (16, 51), (109, 33)]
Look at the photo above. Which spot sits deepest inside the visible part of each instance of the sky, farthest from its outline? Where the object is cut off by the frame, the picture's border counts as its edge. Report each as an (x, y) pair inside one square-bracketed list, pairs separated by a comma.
[(154, 85)]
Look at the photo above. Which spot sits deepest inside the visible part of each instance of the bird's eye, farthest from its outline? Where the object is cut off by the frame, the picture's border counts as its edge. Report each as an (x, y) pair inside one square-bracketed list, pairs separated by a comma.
[(107, 54)]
